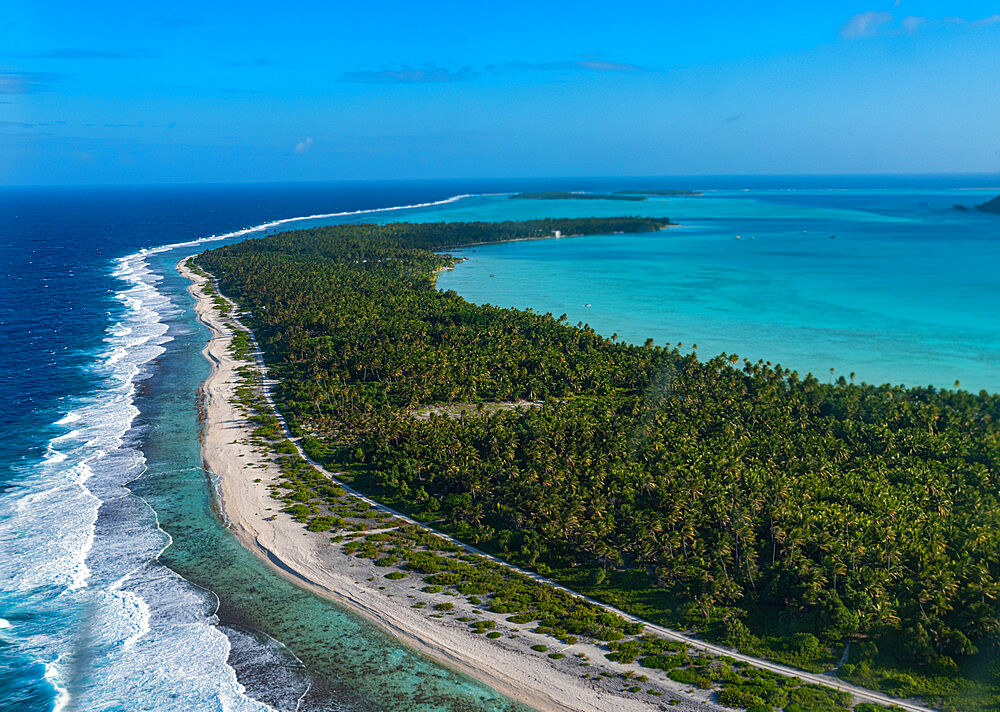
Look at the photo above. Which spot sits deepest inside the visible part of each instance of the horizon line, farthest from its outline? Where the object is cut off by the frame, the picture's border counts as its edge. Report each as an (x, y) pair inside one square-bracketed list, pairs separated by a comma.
[(638, 176)]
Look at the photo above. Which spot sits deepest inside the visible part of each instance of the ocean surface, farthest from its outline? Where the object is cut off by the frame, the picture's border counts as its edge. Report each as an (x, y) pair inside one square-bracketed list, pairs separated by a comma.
[(120, 587), (891, 285)]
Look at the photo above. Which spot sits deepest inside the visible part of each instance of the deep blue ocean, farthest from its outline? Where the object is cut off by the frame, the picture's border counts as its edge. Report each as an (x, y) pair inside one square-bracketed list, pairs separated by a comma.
[(121, 589)]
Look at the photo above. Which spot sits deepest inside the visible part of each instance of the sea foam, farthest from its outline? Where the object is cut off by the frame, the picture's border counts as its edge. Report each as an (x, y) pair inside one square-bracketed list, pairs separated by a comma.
[(287, 221), (81, 551)]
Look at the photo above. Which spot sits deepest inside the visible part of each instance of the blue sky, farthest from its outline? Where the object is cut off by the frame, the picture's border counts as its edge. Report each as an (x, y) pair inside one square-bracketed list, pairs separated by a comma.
[(109, 92)]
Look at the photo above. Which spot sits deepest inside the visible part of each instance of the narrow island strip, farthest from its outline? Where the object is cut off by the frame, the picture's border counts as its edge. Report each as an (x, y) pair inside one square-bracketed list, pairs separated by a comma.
[(522, 665), (406, 562)]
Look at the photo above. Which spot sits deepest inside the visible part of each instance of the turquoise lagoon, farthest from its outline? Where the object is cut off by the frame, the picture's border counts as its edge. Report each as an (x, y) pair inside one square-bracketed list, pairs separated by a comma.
[(894, 287)]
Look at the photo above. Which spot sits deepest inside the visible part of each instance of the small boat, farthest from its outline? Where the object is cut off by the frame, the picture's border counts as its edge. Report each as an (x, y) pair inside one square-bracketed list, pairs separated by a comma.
[(586, 305)]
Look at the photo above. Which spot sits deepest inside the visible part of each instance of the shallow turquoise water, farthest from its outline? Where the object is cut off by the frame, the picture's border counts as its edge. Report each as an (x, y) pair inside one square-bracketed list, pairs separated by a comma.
[(333, 658), (894, 286)]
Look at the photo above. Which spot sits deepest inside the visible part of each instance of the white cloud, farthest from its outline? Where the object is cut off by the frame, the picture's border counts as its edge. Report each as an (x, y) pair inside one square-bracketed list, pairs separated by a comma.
[(429, 74), (872, 24), (865, 24), (303, 146)]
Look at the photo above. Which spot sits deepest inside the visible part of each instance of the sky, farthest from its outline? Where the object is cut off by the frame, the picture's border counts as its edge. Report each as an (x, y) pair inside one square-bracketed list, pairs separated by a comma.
[(111, 92)]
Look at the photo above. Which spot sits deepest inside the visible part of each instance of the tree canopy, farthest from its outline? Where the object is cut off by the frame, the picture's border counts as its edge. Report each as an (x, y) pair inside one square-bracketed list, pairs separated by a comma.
[(730, 487)]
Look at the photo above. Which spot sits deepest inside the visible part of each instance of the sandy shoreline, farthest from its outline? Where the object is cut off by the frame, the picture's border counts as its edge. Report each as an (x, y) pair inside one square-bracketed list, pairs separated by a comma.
[(509, 666), (584, 680)]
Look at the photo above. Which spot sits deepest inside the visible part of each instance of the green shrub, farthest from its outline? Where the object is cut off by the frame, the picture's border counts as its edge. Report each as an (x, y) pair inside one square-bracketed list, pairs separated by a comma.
[(690, 677), (822, 698), (519, 619), (321, 524), (469, 589), (735, 695), (663, 662)]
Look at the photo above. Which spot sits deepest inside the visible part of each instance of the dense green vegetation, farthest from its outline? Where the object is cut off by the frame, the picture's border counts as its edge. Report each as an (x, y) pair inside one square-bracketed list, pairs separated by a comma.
[(450, 570), (770, 511), (562, 195)]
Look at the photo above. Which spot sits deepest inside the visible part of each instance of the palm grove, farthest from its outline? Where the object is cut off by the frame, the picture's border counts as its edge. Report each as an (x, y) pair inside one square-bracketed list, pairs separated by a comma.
[(770, 511)]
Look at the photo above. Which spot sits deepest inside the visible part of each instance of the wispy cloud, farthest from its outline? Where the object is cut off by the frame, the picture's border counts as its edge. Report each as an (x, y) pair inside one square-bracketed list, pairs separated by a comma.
[(865, 24), (409, 75), (598, 66), (911, 24), (28, 124), (75, 53), (26, 82), (431, 74), (603, 66), (135, 125), (872, 24), (303, 146), (991, 20), (89, 125)]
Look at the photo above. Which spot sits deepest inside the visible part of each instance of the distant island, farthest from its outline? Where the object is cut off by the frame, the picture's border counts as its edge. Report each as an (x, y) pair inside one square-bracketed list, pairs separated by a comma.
[(560, 195), (634, 195), (990, 206), (668, 191)]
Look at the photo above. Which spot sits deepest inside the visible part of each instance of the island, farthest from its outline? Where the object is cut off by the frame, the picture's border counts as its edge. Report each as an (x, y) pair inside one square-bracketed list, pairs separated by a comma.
[(561, 195), (459, 471), (990, 206)]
